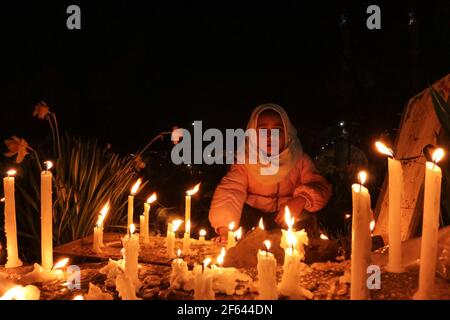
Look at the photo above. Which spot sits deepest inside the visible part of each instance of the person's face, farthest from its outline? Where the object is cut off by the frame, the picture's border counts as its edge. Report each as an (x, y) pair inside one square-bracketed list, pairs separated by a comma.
[(271, 120)]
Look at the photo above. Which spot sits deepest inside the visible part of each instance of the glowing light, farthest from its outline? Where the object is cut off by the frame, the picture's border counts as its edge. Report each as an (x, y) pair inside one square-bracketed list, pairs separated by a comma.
[(11, 172), (48, 164), (193, 190), (136, 186), (362, 177), (202, 233), (176, 224), (324, 237), (61, 263), (438, 154), (383, 149), (132, 228), (261, 224), (267, 244), (231, 226), (152, 198)]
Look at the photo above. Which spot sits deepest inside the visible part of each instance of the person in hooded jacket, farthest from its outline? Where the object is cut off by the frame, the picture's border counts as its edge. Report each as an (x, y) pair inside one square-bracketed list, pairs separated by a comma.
[(245, 195)]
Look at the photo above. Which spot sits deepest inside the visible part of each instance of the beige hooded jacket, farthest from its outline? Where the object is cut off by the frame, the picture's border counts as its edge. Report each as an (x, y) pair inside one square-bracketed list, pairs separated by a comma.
[(297, 176)]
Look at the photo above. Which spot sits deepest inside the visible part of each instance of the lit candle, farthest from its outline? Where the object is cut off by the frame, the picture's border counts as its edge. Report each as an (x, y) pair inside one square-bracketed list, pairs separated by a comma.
[(230, 241), (46, 218), (261, 224), (131, 252), (292, 267), (267, 274), (300, 236), (395, 173), (202, 235), (146, 222), (170, 240), (98, 229), (430, 226), (361, 239), (179, 273), (187, 218), (238, 234), (203, 281), (187, 240), (134, 190), (10, 222)]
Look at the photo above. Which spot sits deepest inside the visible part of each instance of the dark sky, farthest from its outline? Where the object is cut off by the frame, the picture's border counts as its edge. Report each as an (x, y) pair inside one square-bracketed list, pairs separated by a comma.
[(134, 70)]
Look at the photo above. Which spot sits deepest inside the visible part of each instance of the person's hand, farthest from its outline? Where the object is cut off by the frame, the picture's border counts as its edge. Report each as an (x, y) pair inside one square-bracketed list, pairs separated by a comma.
[(296, 206), (222, 235)]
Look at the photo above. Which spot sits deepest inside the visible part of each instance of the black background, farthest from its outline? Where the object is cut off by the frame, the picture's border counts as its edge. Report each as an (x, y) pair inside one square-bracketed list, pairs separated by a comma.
[(134, 70)]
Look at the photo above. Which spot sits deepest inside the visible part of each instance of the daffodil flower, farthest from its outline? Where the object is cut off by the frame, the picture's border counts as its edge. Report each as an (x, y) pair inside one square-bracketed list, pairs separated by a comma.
[(41, 110), (17, 146)]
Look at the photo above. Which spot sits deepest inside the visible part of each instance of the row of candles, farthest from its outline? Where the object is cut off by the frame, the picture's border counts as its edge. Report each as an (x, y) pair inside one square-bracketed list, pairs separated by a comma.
[(361, 231), (292, 242)]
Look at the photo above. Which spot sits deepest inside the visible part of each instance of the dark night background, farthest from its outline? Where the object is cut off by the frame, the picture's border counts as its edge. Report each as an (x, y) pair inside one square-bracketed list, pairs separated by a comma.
[(134, 70)]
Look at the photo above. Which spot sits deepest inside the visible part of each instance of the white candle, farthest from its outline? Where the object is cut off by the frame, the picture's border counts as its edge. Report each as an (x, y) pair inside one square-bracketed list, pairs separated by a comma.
[(395, 173), (46, 218), (203, 282), (151, 199), (131, 245), (179, 273), (13, 260), (134, 189), (170, 239), (230, 241), (430, 226), (361, 240), (301, 237), (187, 218), (202, 235), (187, 241), (267, 274), (142, 227), (97, 243)]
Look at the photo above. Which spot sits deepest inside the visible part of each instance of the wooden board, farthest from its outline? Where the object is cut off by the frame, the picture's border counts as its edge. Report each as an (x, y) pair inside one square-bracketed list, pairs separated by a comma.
[(419, 127), (152, 253)]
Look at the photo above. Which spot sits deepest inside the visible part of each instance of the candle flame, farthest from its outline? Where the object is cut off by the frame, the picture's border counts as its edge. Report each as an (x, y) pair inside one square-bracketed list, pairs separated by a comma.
[(132, 228), (48, 164), (103, 214), (202, 233), (261, 224), (206, 262), (78, 297), (193, 190), (438, 154), (348, 216), (2, 200), (221, 257), (383, 149), (288, 218), (152, 198), (231, 226), (323, 237), (362, 177), (61, 263), (136, 186), (238, 233), (179, 253), (11, 172), (176, 224), (291, 239), (372, 225), (267, 244)]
